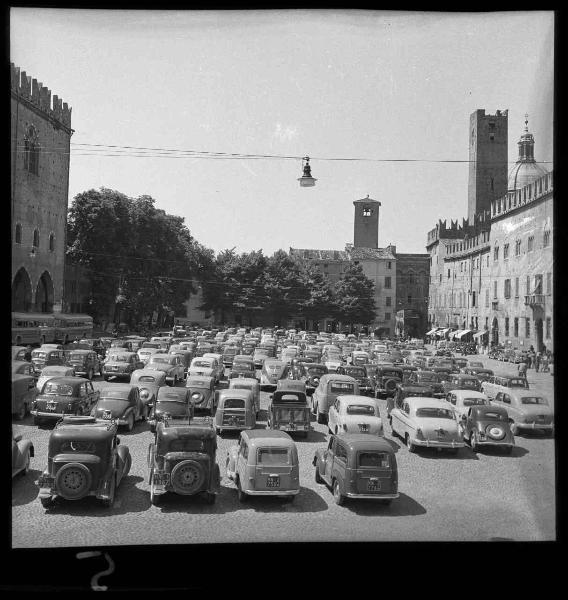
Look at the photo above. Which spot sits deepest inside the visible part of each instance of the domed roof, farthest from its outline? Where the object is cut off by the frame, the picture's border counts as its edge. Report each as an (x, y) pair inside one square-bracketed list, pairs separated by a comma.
[(526, 169)]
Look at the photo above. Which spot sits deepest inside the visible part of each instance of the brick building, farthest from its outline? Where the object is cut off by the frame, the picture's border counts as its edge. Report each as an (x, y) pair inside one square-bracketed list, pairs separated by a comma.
[(40, 145), (491, 279)]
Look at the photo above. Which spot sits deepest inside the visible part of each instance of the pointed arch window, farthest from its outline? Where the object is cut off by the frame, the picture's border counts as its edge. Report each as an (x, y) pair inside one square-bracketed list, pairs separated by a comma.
[(31, 151), (36, 238), (18, 233), (51, 242)]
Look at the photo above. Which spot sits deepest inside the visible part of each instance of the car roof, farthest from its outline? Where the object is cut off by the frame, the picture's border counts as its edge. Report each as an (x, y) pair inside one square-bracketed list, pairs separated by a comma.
[(167, 391), (468, 393), (199, 379), (69, 380), (55, 369), (234, 393), (484, 408), (420, 402), (81, 350), (335, 377), (358, 399), (118, 387), (364, 441), (268, 437), (247, 380), (147, 371)]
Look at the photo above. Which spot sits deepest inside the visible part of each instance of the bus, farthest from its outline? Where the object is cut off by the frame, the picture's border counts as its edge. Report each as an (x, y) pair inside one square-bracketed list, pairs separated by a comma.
[(32, 328), (46, 328)]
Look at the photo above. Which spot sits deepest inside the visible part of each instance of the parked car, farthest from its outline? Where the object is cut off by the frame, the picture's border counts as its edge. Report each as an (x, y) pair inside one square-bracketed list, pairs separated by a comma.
[(462, 381), (527, 410), (430, 379), (229, 353), (185, 356), (503, 383), (22, 452), (61, 396), (19, 353), (120, 364), (354, 414), (314, 372), (121, 402), (235, 410), (170, 364), (407, 390), (288, 409), (360, 358), (182, 460), (264, 463), (357, 465), (202, 393), (488, 425), (85, 458), (387, 377), (331, 385), (85, 362), (22, 367), (243, 366), (205, 367), (45, 356), (332, 360), (170, 403), (407, 371), (148, 381), (259, 356), (219, 368), (360, 374), (248, 383), (428, 422), (462, 400), (272, 370), (48, 373), (145, 352)]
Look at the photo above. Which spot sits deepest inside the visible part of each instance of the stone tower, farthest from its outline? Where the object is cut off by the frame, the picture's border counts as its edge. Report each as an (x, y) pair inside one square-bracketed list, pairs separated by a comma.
[(366, 223), (487, 160)]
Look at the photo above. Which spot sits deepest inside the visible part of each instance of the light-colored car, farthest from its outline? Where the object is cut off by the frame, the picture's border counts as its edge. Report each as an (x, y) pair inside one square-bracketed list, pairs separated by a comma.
[(528, 410), (202, 366), (145, 353), (22, 367), (48, 373), (264, 463), (355, 414), (330, 386), (22, 451), (428, 422), (218, 366), (503, 383), (248, 383), (120, 364), (170, 364), (332, 361), (462, 400)]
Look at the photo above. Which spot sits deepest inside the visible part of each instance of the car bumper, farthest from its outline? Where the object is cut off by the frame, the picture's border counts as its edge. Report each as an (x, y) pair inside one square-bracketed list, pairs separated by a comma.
[(292, 428), (49, 415), (438, 444), (540, 426), (236, 427), (439, 394), (372, 496), (272, 492), (487, 442)]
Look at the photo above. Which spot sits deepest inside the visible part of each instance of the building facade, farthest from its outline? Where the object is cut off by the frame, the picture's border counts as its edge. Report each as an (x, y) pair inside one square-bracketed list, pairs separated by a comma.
[(493, 278), (40, 150), (412, 284)]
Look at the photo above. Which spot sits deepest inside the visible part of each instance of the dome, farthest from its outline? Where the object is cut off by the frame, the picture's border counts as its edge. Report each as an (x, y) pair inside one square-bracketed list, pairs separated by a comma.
[(525, 170), (524, 173)]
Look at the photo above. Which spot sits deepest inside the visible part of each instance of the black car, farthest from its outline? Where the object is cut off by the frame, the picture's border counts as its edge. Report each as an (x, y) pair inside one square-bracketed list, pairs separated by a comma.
[(366, 384), (405, 391)]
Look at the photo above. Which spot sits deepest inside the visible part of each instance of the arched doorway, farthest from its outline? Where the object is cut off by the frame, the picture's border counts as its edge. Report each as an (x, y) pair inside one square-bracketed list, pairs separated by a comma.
[(44, 294), (494, 332), (538, 334), (22, 291)]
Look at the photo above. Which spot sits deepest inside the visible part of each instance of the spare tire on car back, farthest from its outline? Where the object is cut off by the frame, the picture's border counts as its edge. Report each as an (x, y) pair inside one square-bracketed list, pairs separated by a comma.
[(187, 477), (390, 385), (73, 481)]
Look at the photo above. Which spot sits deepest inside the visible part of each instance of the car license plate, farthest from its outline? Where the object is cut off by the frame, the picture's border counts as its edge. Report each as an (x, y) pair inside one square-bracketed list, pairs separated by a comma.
[(51, 407), (46, 482), (273, 481), (373, 485), (363, 427), (107, 415), (161, 478)]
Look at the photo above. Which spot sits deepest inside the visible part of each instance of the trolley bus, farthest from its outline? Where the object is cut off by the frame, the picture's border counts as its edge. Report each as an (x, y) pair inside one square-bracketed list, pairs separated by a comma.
[(45, 328)]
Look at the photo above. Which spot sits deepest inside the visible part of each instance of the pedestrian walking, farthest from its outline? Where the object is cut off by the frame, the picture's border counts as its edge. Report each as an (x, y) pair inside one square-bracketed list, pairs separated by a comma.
[(537, 361), (544, 363), (522, 369), (28, 353)]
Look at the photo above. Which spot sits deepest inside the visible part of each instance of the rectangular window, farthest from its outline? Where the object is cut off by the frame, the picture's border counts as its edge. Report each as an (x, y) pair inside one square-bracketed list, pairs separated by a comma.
[(507, 326), (528, 285), (507, 290), (409, 299), (518, 248), (516, 327), (448, 273), (506, 251), (527, 327), (387, 316), (388, 301), (546, 239), (549, 283), (389, 264), (548, 327), (473, 299), (516, 287), (530, 243), (494, 289), (487, 298), (486, 323), (387, 283), (538, 284), (496, 253)]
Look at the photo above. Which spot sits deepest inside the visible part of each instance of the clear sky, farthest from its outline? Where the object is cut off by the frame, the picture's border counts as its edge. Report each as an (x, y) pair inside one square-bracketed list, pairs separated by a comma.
[(329, 84)]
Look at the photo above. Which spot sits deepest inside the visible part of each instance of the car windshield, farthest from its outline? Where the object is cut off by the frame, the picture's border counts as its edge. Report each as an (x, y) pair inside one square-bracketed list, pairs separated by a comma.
[(159, 359), (197, 384), (340, 387), (470, 382), (354, 372), (275, 369), (78, 446), (474, 401), (534, 400), (234, 403), (57, 389), (243, 365), (274, 456), (38, 354), (494, 416), (77, 356), (119, 358), (316, 370), (432, 377), (151, 345), (242, 386), (434, 413), (360, 409), (391, 374), (518, 382), (186, 445), (373, 459)]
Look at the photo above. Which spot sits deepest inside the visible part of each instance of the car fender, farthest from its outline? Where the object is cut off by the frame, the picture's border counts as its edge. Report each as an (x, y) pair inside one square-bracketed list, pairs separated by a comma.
[(231, 462), (123, 463)]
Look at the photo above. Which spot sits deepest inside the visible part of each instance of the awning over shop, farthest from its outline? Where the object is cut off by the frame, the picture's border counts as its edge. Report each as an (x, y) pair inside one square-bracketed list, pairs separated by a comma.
[(455, 334), (461, 333), (480, 334), (442, 332), (432, 331)]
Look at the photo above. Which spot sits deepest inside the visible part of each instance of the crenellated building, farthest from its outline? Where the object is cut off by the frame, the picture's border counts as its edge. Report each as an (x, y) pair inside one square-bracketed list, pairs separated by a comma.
[(491, 280), (40, 149)]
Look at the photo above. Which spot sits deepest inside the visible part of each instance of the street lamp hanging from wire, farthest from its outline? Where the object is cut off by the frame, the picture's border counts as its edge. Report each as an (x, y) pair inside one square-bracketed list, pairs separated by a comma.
[(307, 180)]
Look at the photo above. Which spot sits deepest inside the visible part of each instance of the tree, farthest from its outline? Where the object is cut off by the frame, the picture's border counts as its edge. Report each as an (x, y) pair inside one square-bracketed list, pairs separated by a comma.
[(319, 302), (354, 297)]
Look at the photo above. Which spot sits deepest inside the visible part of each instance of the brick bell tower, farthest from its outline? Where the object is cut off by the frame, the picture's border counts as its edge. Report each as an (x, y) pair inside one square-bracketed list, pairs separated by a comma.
[(366, 223)]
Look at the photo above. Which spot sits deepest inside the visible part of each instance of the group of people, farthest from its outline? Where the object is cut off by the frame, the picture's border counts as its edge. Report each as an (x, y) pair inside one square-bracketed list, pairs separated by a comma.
[(539, 361)]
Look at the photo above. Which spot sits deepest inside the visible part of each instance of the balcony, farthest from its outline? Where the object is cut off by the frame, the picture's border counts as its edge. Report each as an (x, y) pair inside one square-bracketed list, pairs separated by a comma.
[(534, 300)]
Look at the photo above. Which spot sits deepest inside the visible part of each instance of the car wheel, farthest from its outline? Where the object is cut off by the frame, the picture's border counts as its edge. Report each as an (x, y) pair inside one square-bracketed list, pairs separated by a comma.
[(47, 502), (73, 481), (130, 422), (241, 496), (473, 441), (318, 476), (108, 502), (21, 414), (337, 495), (411, 447), (321, 418)]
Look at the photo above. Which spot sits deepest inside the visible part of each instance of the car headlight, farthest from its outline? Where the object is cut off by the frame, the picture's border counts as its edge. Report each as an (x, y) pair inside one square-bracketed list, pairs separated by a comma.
[(144, 393)]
